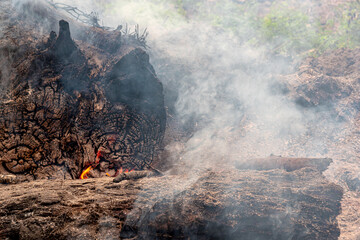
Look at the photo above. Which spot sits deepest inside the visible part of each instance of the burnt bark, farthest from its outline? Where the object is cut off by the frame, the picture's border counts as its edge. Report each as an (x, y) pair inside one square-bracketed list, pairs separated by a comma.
[(66, 111), (226, 204)]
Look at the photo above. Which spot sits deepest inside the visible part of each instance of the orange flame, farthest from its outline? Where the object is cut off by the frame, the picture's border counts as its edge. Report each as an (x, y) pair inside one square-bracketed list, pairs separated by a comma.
[(84, 173), (126, 170), (121, 170)]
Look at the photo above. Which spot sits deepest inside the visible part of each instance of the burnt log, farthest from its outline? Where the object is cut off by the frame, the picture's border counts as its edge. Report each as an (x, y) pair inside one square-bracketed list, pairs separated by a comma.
[(289, 164), (133, 175), (71, 104), (227, 204)]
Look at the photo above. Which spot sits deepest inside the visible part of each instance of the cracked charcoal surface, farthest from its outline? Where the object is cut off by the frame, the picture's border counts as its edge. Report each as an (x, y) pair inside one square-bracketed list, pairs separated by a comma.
[(71, 102)]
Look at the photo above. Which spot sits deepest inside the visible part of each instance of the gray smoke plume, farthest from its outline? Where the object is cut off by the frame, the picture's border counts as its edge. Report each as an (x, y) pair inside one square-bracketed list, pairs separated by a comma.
[(226, 91)]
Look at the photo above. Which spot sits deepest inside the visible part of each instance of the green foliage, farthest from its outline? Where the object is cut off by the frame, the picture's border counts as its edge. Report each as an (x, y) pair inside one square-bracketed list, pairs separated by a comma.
[(283, 27), (349, 28), (287, 30)]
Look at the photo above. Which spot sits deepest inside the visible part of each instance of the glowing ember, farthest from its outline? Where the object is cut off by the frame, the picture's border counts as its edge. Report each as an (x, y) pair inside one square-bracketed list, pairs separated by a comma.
[(126, 170), (84, 173), (121, 170)]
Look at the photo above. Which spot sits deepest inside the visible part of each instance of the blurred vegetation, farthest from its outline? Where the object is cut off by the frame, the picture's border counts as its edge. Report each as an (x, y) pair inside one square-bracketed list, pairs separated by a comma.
[(289, 28), (297, 32), (284, 27)]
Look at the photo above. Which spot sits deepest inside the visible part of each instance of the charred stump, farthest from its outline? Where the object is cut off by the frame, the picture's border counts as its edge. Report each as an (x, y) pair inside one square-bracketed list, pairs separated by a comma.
[(71, 105)]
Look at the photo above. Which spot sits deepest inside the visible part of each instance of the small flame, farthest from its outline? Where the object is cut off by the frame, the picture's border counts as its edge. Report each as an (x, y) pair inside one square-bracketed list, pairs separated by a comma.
[(84, 173), (126, 170), (121, 170)]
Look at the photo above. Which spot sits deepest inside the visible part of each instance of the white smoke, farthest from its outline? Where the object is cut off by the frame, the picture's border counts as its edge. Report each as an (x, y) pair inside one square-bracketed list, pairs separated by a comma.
[(222, 85), (226, 89)]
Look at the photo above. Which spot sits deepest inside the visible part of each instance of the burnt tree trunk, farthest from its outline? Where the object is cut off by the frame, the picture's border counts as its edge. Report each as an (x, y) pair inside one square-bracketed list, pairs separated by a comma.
[(71, 105)]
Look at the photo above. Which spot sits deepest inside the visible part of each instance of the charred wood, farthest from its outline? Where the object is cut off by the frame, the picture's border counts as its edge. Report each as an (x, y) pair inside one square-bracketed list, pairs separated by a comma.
[(66, 110)]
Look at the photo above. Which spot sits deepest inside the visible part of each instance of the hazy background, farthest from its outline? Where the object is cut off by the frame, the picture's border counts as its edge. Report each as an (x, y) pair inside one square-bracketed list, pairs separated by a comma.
[(222, 65), (213, 79)]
